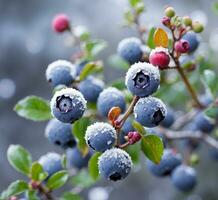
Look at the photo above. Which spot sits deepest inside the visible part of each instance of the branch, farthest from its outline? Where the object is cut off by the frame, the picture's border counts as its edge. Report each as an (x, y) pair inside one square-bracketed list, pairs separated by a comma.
[(174, 135)]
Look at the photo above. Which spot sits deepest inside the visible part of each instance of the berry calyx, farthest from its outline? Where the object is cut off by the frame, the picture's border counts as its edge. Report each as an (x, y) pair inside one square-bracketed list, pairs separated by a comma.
[(170, 12), (133, 137), (61, 23), (182, 46), (160, 57)]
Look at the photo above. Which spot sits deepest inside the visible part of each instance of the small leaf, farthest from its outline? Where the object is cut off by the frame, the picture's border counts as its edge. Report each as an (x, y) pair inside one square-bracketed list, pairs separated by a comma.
[(150, 41), (160, 38), (64, 161), (134, 152), (83, 179), (152, 146), (93, 166), (215, 8), (119, 84), (57, 180), (79, 131), (114, 113), (70, 196), (19, 158), (15, 188), (31, 195), (138, 127), (94, 47), (210, 81), (90, 68), (117, 62), (33, 108), (37, 172), (212, 111), (133, 3)]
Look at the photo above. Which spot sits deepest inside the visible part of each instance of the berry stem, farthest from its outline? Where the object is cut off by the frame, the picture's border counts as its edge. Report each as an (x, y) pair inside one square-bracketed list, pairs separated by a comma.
[(122, 146), (45, 192)]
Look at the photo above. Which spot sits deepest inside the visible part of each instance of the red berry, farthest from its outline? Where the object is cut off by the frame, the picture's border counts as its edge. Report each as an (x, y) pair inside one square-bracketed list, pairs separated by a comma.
[(13, 198), (60, 23), (133, 137), (182, 46), (160, 59), (166, 21)]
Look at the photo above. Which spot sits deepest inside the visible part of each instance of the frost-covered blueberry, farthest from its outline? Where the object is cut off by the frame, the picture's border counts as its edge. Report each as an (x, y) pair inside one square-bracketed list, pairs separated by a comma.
[(184, 178), (130, 49), (100, 136), (61, 72), (150, 111), (114, 164), (60, 134), (108, 98), (51, 163), (160, 57), (142, 79), (75, 159), (169, 161), (68, 105), (204, 123), (91, 87)]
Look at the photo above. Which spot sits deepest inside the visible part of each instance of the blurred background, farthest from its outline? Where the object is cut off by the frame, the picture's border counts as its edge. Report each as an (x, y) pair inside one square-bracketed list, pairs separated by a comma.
[(28, 45)]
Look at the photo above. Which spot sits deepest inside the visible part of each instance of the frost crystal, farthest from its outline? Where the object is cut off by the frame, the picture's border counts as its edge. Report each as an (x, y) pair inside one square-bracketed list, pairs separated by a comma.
[(158, 50)]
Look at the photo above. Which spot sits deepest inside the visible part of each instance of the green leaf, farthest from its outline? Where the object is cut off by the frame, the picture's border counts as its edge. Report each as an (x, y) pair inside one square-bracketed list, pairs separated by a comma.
[(139, 128), (119, 84), (152, 146), (79, 131), (134, 3), (210, 81), (83, 179), (37, 172), (57, 180), (15, 188), (33, 108), (129, 17), (64, 161), (93, 166), (117, 62), (19, 158), (90, 68), (70, 196), (215, 8), (94, 47), (31, 195), (134, 152), (212, 111), (150, 41)]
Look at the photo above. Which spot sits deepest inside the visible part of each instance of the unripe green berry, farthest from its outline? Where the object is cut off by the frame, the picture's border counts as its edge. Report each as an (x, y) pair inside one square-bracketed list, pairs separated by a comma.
[(187, 21), (197, 27), (170, 12)]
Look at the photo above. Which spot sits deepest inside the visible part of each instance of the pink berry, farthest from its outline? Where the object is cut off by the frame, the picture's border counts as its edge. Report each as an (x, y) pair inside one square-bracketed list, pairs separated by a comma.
[(13, 198), (160, 59), (60, 23), (133, 137), (166, 21), (182, 46)]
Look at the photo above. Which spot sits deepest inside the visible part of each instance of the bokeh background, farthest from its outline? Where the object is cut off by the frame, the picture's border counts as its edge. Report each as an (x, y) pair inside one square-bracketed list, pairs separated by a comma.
[(28, 45)]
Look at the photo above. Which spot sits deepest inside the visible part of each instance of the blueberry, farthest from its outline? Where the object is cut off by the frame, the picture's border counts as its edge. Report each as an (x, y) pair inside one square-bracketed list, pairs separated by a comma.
[(108, 98), (100, 136), (75, 159), (206, 99), (68, 105), (142, 79), (193, 41), (150, 111), (61, 72), (204, 123), (80, 66), (130, 50), (184, 178), (60, 134), (91, 88), (169, 119), (126, 128), (51, 163), (169, 161), (114, 164)]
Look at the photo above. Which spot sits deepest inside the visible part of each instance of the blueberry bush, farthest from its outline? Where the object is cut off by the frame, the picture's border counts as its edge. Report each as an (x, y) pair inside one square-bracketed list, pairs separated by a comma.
[(169, 93)]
